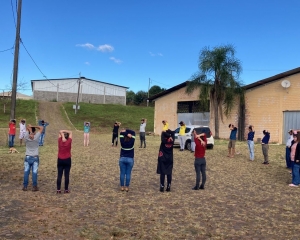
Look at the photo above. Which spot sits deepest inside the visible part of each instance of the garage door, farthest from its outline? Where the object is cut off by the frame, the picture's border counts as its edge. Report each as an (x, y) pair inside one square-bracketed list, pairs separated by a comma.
[(291, 120)]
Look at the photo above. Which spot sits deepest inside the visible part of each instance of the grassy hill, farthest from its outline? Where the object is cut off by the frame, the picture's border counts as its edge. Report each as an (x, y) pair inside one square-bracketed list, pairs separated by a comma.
[(103, 116)]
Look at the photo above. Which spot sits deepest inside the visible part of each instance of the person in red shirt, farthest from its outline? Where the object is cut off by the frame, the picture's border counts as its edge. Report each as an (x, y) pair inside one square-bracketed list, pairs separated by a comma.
[(200, 162), (64, 159), (12, 132)]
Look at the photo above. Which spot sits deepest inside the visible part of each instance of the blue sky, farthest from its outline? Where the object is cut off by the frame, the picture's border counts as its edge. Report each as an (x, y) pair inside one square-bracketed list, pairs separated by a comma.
[(127, 42)]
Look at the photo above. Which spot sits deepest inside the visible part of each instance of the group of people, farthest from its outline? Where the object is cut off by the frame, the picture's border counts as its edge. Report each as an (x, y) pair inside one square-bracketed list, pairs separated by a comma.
[(23, 129)]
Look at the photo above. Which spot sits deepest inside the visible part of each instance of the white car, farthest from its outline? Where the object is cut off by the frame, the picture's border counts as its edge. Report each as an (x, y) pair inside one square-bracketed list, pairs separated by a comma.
[(188, 135)]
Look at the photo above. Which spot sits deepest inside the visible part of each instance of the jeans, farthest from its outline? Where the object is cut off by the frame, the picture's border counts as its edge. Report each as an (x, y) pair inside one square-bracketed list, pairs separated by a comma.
[(63, 166), (42, 136), (200, 168), (265, 150), (31, 162), (126, 165), (193, 145), (143, 138), (181, 141), (11, 140), (288, 157), (251, 149), (296, 174)]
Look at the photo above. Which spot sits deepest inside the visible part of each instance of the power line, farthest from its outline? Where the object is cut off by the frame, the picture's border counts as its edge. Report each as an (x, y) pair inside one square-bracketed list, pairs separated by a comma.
[(12, 9), (7, 49)]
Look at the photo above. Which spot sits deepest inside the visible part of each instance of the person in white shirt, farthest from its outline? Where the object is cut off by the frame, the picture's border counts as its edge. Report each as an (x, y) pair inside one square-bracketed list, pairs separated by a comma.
[(143, 132), (22, 130), (288, 149)]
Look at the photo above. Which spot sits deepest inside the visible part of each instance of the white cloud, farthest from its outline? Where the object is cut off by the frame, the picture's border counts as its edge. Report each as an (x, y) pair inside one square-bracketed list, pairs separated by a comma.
[(155, 54), (115, 60), (105, 48), (87, 63), (86, 45)]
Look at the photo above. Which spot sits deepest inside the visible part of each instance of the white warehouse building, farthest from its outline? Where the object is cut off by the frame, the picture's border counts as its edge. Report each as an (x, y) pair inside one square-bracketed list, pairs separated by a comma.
[(90, 91)]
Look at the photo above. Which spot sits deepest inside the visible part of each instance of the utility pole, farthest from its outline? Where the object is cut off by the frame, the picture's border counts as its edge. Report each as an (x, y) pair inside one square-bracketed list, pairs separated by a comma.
[(79, 82), (16, 64), (148, 93)]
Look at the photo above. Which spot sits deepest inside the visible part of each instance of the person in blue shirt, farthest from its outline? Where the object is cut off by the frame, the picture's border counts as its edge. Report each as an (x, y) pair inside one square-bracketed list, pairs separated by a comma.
[(126, 162), (251, 142), (265, 146), (42, 137), (86, 133), (232, 140)]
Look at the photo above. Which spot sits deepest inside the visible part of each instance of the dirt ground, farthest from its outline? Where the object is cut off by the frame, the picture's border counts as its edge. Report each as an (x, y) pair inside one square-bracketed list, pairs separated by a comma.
[(242, 199)]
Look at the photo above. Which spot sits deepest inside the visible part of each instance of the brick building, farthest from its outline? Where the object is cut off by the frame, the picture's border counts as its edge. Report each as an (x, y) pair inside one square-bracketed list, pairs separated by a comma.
[(270, 105), (66, 90)]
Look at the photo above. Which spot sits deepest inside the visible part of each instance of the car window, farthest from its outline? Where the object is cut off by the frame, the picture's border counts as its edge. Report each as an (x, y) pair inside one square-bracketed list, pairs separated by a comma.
[(187, 130), (203, 130), (177, 130)]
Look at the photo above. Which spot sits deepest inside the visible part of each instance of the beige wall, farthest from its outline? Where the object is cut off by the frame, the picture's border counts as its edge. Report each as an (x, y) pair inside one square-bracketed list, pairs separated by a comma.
[(166, 108)]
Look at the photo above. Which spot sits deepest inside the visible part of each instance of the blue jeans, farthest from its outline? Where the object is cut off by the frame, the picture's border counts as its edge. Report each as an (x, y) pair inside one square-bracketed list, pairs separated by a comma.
[(296, 174), (288, 157), (11, 140), (251, 149), (31, 162), (42, 136), (126, 165)]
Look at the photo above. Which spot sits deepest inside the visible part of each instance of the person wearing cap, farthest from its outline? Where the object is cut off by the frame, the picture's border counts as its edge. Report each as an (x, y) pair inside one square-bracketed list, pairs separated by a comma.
[(115, 133), (288, 149), (11, 132), (42, 137), (143, 132), (265, 146), (165, 125), (22, 125), (181, 135)]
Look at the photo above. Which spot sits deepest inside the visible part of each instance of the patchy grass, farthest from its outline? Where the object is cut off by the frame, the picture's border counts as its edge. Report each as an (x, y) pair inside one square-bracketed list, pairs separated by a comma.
[(242, 199), (103, 116)]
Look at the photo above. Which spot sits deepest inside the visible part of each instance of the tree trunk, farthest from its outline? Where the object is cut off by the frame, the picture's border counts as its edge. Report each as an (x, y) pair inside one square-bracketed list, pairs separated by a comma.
[(216, 112)]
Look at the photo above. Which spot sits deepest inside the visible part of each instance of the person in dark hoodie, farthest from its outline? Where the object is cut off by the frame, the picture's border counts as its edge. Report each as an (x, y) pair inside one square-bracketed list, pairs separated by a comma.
[(265, 146), (165, 159), (126, 162)]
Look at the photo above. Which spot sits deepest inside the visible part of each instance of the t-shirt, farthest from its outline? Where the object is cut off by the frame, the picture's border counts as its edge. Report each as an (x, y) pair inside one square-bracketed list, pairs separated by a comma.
[(233, 134), (143, 127), (12, 129), (250, 136), (182, 130), (266, 138), (22, 127), (45, 124), (32, 145), (166, 126), (289, 140), (200, 150), (64, 148), (293, 151), (86, 128)]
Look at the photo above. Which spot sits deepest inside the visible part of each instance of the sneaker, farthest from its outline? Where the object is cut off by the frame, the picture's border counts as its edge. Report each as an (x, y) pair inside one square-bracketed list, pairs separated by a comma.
[(35, 188), (168, 189), (24, 188), (293, 185), (58, 192), (67, 191), (195, 188), (122, 189), (162, 188), (266, 163), (201, 187), (126, 189)]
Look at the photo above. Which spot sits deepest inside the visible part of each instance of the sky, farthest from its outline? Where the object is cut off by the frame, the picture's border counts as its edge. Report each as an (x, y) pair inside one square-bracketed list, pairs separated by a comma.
[(128, 42)]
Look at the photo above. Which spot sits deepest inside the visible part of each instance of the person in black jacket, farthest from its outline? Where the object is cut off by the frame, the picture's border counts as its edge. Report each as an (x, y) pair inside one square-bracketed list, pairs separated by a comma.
[(296, 168), (115, 133), (165, 159), (126, 162)]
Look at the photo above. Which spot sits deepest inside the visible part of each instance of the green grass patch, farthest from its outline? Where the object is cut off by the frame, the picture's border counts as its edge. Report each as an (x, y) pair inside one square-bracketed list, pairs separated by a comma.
[(103, 116), (25, 109)]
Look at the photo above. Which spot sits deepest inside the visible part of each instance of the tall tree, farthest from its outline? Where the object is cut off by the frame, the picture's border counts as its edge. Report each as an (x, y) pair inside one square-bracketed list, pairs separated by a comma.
[(140, 97), (130, 95), (218, 79), (155, 90)]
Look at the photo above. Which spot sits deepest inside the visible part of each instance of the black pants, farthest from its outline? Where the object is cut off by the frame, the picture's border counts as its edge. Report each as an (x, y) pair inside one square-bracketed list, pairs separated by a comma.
[(143, 138), (200, 168), (114, 138), (162, 179), (63, 166)]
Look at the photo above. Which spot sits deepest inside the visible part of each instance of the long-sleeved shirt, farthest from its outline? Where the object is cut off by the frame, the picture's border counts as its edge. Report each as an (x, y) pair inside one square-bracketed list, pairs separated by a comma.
[(265, 139), (297, 154), (127, 144)]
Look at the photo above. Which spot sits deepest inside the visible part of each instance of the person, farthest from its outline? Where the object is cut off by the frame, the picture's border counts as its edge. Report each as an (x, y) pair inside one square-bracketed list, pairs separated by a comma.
[(181, 135), (192, 142), (42, 137), (11, 133), (64, 159), (165, 125), (86, 133), (200, 161), (32, 159), (22, 130), (232, 140), (126, 162), (295, 170), (143, 132), (265, 146), (165, 159), (251, 142), (288, 149), (115, 133)]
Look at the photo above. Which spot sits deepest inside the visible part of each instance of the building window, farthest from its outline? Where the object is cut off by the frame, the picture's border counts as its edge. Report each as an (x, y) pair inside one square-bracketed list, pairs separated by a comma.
[(192, 107)]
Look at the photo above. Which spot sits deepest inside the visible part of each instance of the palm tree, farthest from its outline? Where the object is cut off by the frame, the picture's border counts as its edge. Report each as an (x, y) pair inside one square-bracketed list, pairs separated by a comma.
[(218, 75)]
